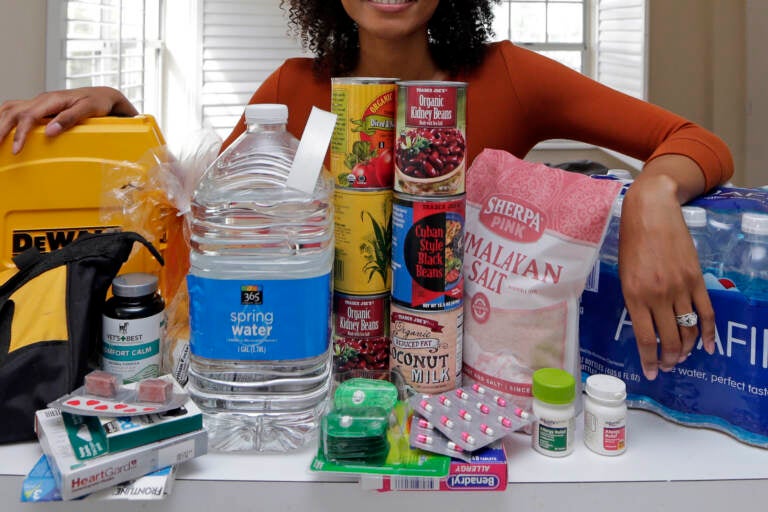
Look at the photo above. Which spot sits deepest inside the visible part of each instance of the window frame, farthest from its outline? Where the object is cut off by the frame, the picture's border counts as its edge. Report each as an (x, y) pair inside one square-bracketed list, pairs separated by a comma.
[(585, 47), (152, 55)]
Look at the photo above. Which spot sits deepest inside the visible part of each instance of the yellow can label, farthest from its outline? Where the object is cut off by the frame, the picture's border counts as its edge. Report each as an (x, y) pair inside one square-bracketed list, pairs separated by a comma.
[(361, 145), (363, 229)]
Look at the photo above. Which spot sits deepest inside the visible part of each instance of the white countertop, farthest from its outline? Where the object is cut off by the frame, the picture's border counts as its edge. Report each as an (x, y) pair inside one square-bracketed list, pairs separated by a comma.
[(704, 464)]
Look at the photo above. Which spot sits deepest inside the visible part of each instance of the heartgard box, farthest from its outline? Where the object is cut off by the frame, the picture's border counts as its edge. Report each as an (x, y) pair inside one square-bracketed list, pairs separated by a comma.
[(53, 190)]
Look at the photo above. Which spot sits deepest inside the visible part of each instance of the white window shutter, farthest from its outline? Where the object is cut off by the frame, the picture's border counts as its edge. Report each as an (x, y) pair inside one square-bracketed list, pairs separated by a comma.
[(621, 45), (104, 42), (243, 41)]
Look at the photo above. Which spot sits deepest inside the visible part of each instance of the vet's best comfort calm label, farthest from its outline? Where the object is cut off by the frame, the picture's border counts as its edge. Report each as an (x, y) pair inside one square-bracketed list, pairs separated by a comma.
[(131, 348), (133, 324)]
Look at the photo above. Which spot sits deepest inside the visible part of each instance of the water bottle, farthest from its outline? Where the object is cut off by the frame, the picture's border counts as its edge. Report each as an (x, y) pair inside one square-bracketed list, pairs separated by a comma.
[(260, 293), (696, 220), (622, 175), (747, 265), (609, 251), (724, 232)]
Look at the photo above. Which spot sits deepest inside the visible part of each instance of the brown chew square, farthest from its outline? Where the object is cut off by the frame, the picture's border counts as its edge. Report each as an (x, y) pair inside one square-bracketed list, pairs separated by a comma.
[(101, 383), (155, 390)]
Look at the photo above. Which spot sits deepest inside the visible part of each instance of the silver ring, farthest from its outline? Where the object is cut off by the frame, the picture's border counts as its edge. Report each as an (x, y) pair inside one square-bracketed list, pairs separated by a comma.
[(687, 320)]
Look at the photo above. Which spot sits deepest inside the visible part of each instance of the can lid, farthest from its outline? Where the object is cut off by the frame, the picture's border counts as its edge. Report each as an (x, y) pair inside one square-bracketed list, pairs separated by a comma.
[(606, 387), (754, 223), (266, 113), (694, 216), (431, 83), (365, 80), (553, 386), (136, 284)]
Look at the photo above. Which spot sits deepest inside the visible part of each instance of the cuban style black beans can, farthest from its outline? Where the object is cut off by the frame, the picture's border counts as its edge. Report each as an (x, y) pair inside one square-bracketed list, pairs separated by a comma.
[(427, 251)]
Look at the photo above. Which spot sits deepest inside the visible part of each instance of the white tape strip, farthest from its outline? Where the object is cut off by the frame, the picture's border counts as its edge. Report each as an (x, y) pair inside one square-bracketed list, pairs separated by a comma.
[(308, 161)]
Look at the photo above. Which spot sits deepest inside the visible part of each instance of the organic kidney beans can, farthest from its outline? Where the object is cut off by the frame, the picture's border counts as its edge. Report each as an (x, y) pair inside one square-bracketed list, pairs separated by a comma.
[(427, 251), (425, 348), (362, 141), (363, 231), (361, 327), (430, 141)]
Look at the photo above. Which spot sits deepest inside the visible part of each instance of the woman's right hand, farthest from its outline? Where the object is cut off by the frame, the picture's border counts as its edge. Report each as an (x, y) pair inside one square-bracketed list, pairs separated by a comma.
[(67, 108)]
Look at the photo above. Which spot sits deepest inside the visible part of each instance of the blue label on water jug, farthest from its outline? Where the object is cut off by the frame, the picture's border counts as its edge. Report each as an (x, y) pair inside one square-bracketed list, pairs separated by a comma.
[(727, 391), (267, 320)]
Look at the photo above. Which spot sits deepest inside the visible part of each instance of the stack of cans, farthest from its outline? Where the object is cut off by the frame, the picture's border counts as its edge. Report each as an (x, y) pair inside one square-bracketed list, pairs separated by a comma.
[(430, 156), (362, 162)]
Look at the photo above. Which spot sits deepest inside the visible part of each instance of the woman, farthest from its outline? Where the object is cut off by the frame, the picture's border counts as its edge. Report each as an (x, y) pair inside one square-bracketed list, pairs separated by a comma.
[(515, 100)]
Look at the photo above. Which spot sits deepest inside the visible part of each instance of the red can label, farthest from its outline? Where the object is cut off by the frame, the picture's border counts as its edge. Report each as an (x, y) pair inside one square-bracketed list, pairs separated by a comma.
[(360, 317), (430, 145), (361, 327), (430, 106)]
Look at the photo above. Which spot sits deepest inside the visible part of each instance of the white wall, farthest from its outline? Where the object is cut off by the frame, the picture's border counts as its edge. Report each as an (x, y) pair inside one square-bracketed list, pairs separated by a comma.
[(697, 67), (22, 48), (756, 161)]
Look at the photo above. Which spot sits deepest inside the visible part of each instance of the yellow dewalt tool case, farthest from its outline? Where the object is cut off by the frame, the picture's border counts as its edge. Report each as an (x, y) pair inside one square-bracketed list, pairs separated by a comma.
[(53, 190)]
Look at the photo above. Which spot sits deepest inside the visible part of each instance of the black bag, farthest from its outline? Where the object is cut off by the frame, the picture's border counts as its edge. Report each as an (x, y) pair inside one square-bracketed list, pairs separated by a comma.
[(50, 323)]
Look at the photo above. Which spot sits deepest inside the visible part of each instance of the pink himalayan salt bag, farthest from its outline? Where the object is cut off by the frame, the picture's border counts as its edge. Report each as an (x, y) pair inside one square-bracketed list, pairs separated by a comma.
[(531, 238)]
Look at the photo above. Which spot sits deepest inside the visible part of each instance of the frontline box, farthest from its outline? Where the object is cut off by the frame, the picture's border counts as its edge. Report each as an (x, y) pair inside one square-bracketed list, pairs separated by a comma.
[(40, 486), (77, 478), (487, 471), (53, 190)]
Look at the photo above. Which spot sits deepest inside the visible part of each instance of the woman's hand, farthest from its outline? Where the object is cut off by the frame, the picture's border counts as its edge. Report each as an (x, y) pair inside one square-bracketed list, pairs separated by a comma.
[(67, 108), (658, 265)]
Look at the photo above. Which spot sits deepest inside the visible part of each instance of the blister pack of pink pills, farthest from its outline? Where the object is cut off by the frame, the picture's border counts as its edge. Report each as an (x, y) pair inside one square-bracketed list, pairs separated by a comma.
[(103, 395), (471, 417), (424, 435)]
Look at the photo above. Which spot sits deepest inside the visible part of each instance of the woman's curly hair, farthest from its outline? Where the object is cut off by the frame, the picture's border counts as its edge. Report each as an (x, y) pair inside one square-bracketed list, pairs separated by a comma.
[(458, 31)]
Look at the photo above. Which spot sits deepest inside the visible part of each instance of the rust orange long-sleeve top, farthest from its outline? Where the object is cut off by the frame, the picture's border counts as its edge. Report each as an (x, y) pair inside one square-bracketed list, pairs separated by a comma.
[(517, 99)]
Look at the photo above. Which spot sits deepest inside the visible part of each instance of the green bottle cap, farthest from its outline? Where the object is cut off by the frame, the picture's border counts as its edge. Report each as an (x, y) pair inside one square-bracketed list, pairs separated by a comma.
[(553, 386)]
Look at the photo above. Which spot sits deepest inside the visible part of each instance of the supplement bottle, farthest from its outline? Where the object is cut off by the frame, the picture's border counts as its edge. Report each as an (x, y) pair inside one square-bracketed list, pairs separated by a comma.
[(696, 220), (747, 264), (260, 292), (554, 391), (605, 415), (133, 324)]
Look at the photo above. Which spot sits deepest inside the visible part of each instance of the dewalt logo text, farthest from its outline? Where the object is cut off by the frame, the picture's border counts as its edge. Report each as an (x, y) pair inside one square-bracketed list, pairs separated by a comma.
[(48, 240)]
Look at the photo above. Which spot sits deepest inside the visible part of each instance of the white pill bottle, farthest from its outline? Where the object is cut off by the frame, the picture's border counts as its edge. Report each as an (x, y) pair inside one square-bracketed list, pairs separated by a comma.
[(605, 415)]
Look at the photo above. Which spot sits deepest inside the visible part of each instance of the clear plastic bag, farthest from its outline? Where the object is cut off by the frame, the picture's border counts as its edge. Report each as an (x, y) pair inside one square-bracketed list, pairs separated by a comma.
[(152, 196)]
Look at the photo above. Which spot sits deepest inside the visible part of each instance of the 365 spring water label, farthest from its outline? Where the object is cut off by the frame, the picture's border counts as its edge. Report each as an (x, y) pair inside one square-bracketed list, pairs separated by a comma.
[(265, 320)]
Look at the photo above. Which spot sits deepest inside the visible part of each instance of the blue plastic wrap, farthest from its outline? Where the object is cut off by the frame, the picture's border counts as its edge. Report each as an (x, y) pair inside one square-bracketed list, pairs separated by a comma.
[(727, 391)]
